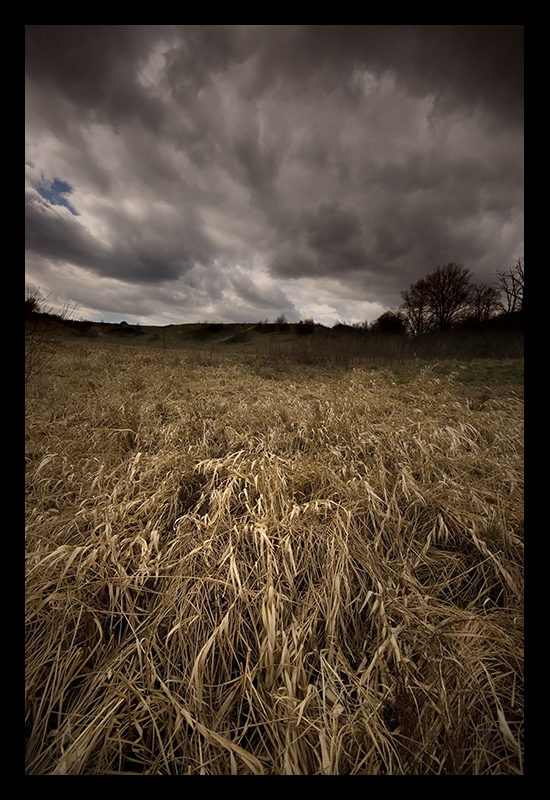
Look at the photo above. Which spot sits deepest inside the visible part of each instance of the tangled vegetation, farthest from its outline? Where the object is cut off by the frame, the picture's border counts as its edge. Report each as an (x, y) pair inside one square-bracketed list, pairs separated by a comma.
[(234, 572)]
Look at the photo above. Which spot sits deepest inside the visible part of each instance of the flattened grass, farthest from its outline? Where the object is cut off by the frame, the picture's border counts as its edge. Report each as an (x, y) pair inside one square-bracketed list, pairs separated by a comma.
[(230, 574)]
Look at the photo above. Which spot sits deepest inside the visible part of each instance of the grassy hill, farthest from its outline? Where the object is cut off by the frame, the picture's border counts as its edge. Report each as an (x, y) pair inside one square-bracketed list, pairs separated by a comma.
[(186, 335), (303, 343)]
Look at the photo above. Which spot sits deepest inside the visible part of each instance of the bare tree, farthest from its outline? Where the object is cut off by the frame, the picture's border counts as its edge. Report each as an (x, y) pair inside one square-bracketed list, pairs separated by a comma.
[(282, 323), (439, 299), (448, 292), (484, 302), (510, 282), (415, 308)]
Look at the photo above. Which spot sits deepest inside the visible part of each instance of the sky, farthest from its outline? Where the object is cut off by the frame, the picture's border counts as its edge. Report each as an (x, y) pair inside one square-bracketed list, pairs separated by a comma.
[(234, 173)]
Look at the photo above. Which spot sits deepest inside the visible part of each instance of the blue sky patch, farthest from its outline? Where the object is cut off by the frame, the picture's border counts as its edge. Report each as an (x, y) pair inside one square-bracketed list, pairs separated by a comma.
[(55, 192)]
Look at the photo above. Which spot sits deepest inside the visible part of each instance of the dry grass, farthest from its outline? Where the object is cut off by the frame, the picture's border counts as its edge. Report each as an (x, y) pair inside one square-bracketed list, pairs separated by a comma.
[(228, 574)]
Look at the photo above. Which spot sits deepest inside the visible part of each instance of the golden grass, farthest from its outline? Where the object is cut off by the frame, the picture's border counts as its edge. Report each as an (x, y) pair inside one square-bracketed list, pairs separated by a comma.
[(228, 574)]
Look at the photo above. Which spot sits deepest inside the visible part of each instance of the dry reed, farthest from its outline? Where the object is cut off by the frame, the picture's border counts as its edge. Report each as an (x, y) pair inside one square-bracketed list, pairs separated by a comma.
[(228, 574)]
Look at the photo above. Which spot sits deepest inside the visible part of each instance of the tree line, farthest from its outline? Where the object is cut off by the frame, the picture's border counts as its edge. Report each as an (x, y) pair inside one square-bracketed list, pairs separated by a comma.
[(443, 300), (448, 299), (443, 315)]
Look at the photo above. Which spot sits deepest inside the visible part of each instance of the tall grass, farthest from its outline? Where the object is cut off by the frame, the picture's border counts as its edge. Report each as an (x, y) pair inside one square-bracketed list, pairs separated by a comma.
[(354, 348), (229, 574)]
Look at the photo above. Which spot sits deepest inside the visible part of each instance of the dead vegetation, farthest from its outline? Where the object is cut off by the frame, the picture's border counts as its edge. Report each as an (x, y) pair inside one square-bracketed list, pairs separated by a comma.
[(229, 574)]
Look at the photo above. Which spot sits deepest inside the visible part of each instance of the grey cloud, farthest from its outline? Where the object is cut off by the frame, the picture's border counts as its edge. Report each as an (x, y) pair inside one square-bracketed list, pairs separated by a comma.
[(334, 230), (94, 67), (469, 63), (145, 253), (258, 163), (57, 235), (326, 240), (263, 298), (367, 154)]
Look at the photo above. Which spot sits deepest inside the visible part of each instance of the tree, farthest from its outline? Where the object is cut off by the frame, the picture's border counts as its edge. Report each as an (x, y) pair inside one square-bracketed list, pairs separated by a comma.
[(282, 323), (485, 302), (439, 299), (510, 282), (415, 307), (305, 327), (390, 323), (448, 293)]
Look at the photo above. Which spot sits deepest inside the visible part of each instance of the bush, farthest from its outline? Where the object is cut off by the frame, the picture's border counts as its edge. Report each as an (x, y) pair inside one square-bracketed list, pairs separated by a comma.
[(305, 327), (41, 327)]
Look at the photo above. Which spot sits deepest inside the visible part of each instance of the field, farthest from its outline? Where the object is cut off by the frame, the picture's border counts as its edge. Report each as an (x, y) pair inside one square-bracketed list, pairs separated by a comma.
[(235, 566)]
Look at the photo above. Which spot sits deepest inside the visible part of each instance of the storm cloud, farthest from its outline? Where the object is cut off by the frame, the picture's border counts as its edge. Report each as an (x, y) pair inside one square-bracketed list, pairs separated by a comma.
[(237, 172)]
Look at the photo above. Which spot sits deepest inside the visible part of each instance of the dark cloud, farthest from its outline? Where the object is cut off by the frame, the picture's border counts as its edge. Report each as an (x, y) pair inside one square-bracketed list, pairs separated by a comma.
[(55, 235), (253, 169), (470, 64), (93, 68), (334, 237)]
